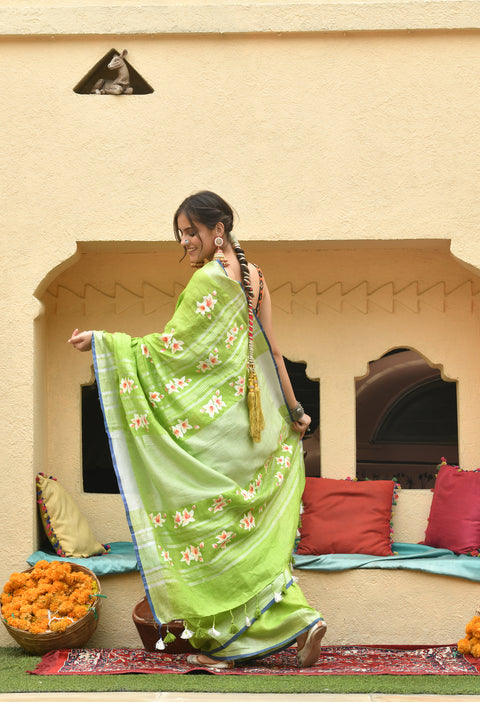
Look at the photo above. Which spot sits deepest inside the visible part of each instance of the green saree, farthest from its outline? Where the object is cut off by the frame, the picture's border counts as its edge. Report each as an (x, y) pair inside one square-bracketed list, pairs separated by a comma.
[(213, 515)]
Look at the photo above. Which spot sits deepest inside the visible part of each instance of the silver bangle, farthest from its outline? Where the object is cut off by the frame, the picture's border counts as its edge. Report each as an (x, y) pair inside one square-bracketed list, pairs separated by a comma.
[(297, 412)]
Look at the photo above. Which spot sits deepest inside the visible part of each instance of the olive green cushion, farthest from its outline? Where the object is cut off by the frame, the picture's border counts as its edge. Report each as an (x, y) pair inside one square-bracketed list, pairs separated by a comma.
[(65, 526)]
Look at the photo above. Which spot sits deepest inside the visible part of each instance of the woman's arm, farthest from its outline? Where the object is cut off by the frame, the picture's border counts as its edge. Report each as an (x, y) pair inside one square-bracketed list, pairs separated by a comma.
[(82, 341), (265, 316)]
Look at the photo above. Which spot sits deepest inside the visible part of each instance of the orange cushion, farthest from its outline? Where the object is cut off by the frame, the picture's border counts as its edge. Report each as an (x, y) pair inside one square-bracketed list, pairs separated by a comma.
[(347, 516)]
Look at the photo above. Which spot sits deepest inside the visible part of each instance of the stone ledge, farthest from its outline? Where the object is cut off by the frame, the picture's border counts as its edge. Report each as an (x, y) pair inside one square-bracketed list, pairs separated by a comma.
[(379, 607), (238, 18)]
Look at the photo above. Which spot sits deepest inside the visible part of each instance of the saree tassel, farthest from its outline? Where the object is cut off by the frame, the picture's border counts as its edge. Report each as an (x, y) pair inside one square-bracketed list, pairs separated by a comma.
[(214, 633), (248, 621), (255, 413), (160, 646), (169, 637), (186, 633), (277, 596), (201, 633), (233, 627)]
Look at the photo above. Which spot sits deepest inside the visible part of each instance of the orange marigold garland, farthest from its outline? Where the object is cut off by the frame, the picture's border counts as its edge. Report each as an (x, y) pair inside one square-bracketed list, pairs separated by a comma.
[(49, 597)]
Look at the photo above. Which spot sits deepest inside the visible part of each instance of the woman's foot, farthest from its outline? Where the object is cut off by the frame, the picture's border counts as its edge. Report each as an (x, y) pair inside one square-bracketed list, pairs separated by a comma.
[(310, 644), (206, 662)]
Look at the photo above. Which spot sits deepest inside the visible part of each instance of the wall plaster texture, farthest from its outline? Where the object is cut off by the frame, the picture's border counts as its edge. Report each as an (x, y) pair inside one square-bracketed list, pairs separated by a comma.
[(347, 141)]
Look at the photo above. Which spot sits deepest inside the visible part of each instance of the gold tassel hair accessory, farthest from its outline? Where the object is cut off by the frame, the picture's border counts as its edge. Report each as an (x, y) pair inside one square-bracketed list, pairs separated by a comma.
[(255, 413)]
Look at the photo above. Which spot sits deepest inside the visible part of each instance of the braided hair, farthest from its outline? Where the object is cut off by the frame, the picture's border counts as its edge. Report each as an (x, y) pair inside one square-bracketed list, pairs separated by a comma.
[(209, 209)]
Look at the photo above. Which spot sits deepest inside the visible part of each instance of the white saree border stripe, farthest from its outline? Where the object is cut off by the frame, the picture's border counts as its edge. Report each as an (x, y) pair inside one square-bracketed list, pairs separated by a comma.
[(127, 481), (145, 544)]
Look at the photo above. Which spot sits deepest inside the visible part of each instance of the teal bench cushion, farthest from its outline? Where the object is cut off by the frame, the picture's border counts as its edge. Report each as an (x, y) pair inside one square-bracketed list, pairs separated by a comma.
[(119, 559), (438, 561)]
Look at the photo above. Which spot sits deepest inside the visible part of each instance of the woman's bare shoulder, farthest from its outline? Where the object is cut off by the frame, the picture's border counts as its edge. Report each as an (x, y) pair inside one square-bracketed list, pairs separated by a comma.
[(254, 269)]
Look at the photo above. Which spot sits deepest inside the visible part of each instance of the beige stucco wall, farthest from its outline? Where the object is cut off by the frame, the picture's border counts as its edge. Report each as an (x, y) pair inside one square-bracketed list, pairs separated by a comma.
[(346, 136)]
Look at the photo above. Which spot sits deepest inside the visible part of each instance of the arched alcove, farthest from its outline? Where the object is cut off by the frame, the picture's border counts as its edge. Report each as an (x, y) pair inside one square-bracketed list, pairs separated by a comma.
[(334, 309), (406, 420)]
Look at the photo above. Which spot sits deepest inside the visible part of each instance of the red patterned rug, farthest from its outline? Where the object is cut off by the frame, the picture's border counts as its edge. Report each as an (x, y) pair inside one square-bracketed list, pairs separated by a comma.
[(335, 660)]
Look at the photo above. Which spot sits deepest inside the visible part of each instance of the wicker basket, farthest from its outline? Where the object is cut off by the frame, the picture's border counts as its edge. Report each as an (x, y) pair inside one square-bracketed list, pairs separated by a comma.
[(74, 636)]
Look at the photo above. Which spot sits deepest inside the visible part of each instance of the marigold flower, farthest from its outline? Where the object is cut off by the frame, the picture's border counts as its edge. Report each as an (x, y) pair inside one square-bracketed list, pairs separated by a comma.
[(82, 597), (473, 621), (463, 646), (78, 612), (42, 565), (59, 625), (39, 612), (21, 624), (39, 626), (65, 608), (8, 610)]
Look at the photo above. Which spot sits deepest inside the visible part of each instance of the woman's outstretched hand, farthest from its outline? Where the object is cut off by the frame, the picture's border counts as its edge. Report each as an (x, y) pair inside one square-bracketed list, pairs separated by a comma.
[(301, 425), (82, 341)]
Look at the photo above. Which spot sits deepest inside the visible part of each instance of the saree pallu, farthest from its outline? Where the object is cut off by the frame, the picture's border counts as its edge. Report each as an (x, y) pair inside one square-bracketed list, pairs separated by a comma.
[(213, 515)]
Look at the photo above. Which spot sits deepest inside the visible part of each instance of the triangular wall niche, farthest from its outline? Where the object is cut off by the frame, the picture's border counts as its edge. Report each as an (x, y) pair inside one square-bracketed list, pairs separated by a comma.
[(100, 73)]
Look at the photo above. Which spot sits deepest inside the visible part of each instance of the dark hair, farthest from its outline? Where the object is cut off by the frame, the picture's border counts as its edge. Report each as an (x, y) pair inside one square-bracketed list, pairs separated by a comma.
[(206, 208), (209, 209)]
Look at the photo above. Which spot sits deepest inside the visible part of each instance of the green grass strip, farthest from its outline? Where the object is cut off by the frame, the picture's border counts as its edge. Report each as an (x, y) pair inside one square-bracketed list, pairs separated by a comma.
[(14, 663)]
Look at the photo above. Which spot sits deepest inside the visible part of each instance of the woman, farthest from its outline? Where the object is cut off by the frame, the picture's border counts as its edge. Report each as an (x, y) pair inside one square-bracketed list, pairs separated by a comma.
[(205, 433)]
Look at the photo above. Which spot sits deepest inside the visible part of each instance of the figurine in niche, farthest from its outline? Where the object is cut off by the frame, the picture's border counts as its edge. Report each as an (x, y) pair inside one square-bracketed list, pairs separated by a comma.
[(121, 84)]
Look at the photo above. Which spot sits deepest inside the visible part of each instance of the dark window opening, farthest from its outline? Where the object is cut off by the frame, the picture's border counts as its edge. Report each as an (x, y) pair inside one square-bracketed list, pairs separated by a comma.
[(98, 471), (406, 420), (307, 393), (425, 415)]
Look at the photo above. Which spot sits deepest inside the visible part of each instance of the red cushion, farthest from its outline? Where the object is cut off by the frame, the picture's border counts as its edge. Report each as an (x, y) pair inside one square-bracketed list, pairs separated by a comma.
[(347, 516), (454, 520)]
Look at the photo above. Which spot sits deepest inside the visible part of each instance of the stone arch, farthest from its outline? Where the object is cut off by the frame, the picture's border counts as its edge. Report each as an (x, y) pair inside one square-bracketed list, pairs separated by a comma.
[(335, 308), (406, 419)]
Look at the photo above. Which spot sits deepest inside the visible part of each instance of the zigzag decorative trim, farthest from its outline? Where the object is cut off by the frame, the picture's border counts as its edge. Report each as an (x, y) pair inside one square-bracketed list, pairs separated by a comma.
[(339, 297), (92, 298), (413, 297)]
